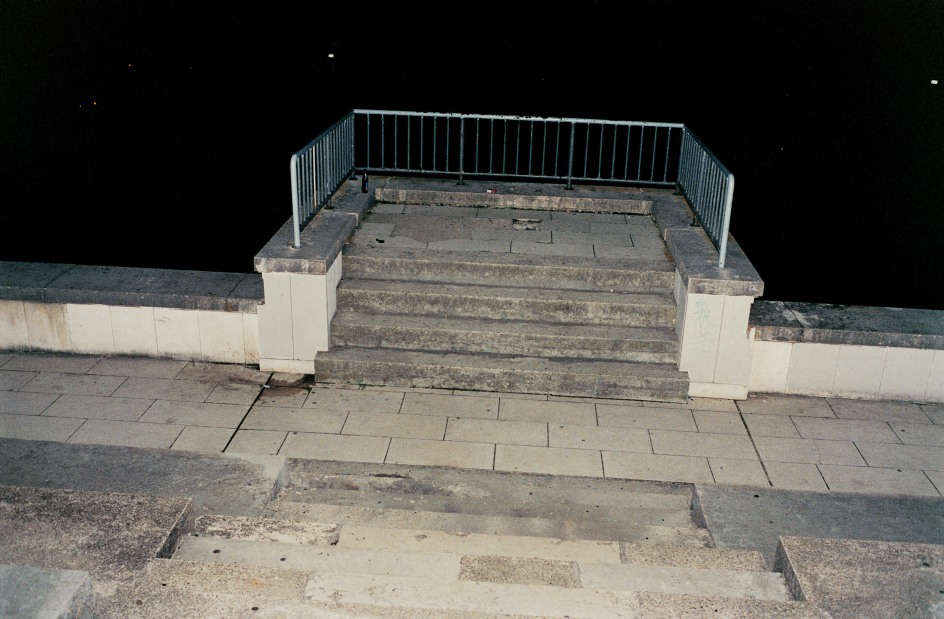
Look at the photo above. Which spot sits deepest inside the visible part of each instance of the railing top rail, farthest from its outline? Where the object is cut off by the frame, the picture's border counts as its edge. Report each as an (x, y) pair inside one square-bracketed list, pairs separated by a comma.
[(713, 156), (323, 133), (594, 121)]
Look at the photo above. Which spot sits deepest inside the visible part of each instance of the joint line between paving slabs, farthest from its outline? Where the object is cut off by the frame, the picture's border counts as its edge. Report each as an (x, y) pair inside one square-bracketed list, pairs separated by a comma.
[(248, 410), (759, 459)]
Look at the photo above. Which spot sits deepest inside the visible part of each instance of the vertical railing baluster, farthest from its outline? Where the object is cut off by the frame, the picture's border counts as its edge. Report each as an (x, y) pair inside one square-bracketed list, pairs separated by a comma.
[(570, 156), (461, 148), (586, 151)]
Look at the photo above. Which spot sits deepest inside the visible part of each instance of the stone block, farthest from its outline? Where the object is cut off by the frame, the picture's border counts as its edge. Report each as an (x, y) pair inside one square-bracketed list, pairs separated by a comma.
[(347, 400), (770, 365), (917, 434), (859, 371), (275, 318), (262, 442), (203, 439), (812, 369), (178, 332), (907, 373), (599, 438), (309, 315), (698, 444), (441, 453), (480, 407), (807, 451), (551, 249), (878, 410), (48, 326), (395, 425), (336, 447), (771, 425), (733, 365), (646, 418), (294, 420), (795, 476), (126, 434), (21, 403), (472, 430), (717, 422), (13, 379), (738, 472), (134, 330), (548, 460), (195, 414), (91, 329), (75, 384), (657, 467), (97, 407), (700, 338), (860, 479), (163, 389), (221, 337), (845, 430), (793, 406), (145, 367), (891, 456), (251, 338), (935, 380), (14, 334), (548, 411)]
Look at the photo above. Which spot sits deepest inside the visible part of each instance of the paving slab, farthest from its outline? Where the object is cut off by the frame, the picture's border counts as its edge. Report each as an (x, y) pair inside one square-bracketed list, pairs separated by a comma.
[(795, 476), (884, 455), (36, 428), (45, 593), (474, 430), (599, 438), (441, 453), (795, 406), (4, 357), (144, 367), (717, 422), (235, 393), (347, 400), (753, 518), (910, 434), (52, 362), (809, 451), (581, 413), (77, 384), (165, 389), (198, 370), (203, 439), (22, 403), (260, 442), (646, 418), (549, 460), (770, 425), (215, 483), (11, 380), (294, 420), (207, 414), (335, 447), (286, 397), (657, 467), (845, 430), (738, 472), (481, 407), (702, 444), (125, 433), (97, 407), (877, 480), (395, 425), (878, 410)]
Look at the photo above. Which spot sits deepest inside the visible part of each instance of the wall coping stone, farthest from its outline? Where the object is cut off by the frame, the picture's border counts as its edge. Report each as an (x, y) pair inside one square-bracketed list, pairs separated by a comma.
[(696, 257), (852, 325), (130, 286), (322, 238)]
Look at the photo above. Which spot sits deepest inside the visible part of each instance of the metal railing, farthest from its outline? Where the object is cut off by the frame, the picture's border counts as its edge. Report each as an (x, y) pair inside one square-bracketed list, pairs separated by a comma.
[(709, 188), (483, 145), (524, 147), (319, 169)]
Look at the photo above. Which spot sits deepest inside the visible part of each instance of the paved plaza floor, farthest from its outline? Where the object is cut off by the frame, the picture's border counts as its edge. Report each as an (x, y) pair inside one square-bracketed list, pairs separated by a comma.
[(800, 443)]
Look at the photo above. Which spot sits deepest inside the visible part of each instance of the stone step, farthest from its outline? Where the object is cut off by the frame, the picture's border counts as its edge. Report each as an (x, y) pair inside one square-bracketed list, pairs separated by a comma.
[(578, 378), (488, 506), (226, 590), (267, 529), (497, 303), (507, 269), (309, 477), (682, 533), (431, 333), (440, 566)]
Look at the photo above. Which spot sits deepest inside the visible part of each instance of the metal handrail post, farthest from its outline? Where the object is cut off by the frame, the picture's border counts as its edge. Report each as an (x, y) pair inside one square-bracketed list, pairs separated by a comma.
[(461, 149), (295, 216), (570, 157), (728, 202)]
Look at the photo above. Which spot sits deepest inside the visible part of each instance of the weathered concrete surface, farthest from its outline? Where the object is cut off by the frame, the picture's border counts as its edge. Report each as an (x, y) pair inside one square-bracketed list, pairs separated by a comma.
[(237, 485), (322, 240), (267, 530), (854, 578), (112, 536), (791, 321), (534, 196), (754, 518), (129, 286), (45, 593), (520, 570)]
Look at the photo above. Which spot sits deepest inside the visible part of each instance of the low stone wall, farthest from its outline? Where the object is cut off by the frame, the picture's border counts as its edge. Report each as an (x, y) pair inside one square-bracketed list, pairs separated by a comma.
[(847, 351), (198, 315)]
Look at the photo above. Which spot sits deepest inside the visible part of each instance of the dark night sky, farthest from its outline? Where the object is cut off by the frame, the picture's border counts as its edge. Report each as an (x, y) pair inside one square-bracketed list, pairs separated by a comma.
[(159, 133)]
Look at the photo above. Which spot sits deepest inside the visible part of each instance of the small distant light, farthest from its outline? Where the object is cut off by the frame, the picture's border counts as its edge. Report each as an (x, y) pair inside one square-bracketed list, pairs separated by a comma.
[(934, 82), (330, 55), (129, 65), (94, 102)]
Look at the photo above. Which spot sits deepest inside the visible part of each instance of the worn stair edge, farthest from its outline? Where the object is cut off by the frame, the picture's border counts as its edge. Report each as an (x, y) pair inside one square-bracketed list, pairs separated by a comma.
[(681, 606), (608, 204), (571, 530), (435, 334), (629, 381), (310, 476), (562, 306), (266, 529), (409, 502), (478, 269)]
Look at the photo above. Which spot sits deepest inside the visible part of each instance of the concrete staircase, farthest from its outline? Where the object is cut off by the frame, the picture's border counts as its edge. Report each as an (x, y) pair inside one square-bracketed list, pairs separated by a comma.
[(502, 321), (365, 541)]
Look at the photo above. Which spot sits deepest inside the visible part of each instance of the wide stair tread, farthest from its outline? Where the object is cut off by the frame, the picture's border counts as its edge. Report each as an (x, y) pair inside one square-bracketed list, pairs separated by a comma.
[(564, 377), (512, 303), (508, 269), (514, 337)]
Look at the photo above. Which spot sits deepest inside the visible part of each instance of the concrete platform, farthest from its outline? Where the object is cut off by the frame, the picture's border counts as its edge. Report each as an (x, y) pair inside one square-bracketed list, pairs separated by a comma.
[(45, 593)]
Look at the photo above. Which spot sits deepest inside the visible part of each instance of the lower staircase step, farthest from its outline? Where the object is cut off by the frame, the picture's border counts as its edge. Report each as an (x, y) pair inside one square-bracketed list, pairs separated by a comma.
[(595, 379), (472, 335)]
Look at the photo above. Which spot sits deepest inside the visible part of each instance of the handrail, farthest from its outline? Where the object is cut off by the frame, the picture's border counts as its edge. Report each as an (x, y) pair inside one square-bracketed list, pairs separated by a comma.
[(319, 169), (524, 147), (709, 188)]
